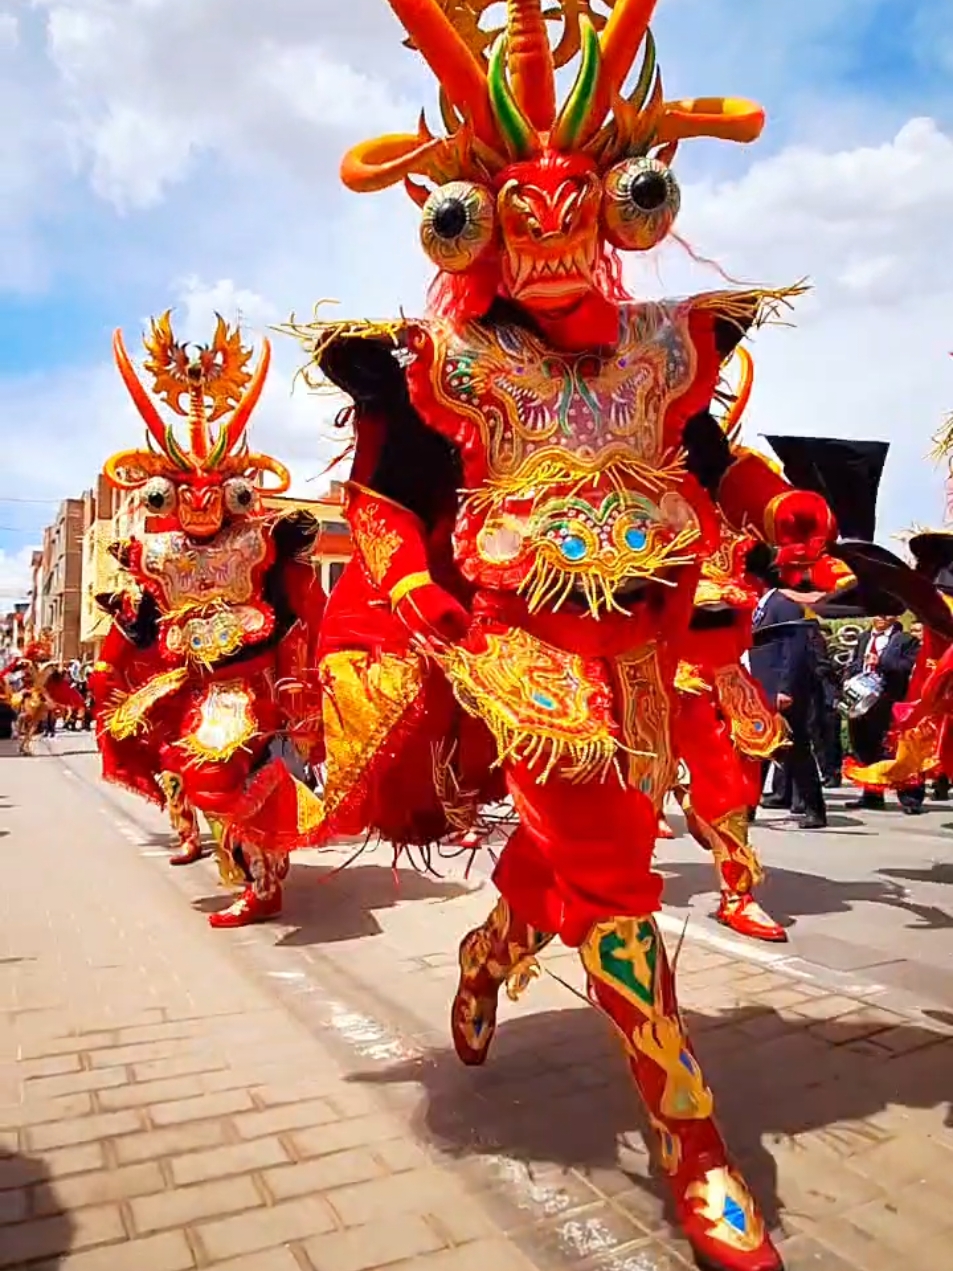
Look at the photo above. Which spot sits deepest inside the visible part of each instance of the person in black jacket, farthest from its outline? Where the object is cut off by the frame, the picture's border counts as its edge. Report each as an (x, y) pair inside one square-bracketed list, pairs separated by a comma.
[(890, 652), (825, 717), (783, 660)]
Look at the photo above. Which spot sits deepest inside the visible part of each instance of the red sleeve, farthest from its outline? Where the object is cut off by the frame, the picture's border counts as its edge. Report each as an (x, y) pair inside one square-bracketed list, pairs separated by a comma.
[(303, 589)]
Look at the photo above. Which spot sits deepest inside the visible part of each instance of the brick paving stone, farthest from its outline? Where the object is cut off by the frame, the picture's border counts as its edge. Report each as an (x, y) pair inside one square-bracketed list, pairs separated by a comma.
[(365, 1248), (47, 1237), (36, 1112), (481, 1255), (800, 1253), (98, 1188), (340, 1135), (181, 1206), (416, 1191), (83, 1130), (266, 1228), (220, 1162), (202, 1108), (323, 1173), (269, 1260), (294, 1116), (14, 1206), (175, 1094), (151, 1144), (74, 1083), (169, 1251)]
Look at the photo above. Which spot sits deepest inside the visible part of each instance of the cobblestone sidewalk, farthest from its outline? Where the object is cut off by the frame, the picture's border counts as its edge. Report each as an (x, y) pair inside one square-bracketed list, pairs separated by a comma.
[(284, 1098)]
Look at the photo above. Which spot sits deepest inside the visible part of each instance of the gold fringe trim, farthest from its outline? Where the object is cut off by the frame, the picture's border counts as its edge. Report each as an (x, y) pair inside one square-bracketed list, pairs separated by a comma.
[(552, 466), (125, 719), (580, 759), (317, 336), (754, 307)]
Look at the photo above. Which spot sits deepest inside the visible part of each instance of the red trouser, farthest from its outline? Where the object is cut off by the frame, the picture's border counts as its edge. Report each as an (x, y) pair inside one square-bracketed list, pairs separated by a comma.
[(720, 783), (582, 853)]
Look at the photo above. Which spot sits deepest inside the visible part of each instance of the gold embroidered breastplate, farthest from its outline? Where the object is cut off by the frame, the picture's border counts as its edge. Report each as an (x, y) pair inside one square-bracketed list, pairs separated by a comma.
[(189, 574), (209, 591), (573, 488)]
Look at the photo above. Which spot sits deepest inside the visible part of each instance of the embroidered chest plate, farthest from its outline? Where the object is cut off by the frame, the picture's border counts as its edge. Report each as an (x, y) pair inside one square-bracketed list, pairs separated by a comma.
[(188, 574), (582, 494), (529, 403)]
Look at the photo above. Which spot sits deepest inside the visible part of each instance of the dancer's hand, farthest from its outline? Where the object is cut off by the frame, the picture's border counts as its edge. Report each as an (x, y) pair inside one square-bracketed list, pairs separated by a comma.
[(433, 615)]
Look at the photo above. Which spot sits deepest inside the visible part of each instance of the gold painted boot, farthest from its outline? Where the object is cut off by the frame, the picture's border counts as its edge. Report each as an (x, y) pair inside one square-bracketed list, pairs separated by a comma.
[(501, 951), (631, 981)]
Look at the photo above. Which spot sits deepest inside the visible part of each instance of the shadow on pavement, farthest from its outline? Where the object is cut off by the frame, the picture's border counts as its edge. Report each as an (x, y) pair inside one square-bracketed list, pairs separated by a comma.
[(788, 1084), (327, 905), (28, 1193), (939, 872), (788, 894)]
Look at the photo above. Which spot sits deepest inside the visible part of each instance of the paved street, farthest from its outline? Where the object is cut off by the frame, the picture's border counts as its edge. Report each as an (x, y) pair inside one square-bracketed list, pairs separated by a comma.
[(285, 1098)]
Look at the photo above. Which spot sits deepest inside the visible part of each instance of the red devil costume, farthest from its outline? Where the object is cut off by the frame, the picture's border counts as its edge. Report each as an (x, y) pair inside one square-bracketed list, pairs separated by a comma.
[(44, 689), (920, 737), (576, 424), (724, 726), (208, 661)]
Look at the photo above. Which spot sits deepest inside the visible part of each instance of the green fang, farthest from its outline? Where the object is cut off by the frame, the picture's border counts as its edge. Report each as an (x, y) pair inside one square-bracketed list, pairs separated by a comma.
[(578, 106), (517, 131)]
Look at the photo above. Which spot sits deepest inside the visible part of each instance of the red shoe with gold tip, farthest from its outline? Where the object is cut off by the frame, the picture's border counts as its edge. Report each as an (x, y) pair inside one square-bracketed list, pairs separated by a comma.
[(248, 909), (188, 853), (743, 914), (722, 1223)]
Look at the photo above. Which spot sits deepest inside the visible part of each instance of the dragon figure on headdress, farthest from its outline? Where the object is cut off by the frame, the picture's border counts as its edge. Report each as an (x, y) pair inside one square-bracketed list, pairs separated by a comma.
[(207, 657), (537, 480)]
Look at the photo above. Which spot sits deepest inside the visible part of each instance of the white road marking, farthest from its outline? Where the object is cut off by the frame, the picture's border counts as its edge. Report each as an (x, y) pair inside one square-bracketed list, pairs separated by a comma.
[(749, 951)]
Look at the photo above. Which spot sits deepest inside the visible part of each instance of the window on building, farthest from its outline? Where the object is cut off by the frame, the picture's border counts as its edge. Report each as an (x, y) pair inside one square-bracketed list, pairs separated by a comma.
[(335, 570)]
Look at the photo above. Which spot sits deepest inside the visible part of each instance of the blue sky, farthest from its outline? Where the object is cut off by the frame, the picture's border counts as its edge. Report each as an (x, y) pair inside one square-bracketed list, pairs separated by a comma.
[(180, 153)]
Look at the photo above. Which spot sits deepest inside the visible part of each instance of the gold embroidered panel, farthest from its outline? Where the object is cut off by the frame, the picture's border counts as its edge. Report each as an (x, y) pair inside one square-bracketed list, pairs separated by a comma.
[(543, 705), (647, 723), (188, 573), (528, 402)]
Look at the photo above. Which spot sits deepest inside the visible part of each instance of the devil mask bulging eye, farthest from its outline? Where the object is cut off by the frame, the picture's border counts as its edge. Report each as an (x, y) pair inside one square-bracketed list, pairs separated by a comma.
[(457, 226), (158, 495), (239, 495), (640, 203)]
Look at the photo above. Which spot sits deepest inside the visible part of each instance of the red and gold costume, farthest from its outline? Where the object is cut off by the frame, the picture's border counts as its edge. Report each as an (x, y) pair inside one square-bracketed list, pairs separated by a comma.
[(724, 726), (921, 738), (576, 423), (207, 661), (44, 689)]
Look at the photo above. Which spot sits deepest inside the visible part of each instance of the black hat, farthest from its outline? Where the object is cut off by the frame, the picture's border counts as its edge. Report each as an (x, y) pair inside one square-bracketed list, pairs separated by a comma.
[(846, 473), (880, 572), (860, 600), (933, 552)]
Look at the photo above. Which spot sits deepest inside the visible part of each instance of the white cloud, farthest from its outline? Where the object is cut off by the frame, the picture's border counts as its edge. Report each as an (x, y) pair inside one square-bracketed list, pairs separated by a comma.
[(867, 357), (15, 577), (155, 89)]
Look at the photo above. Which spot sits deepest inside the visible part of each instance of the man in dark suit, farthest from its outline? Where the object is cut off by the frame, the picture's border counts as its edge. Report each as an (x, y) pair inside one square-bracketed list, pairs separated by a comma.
[(783, 661), (890, 652)]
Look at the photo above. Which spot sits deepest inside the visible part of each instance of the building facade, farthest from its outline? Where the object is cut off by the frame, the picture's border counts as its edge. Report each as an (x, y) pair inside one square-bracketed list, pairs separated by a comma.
[(62, 579)]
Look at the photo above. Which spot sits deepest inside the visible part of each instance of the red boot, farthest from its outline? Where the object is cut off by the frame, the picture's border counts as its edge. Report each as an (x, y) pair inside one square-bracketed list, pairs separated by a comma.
[(743, 914), (247, 909), (190, 850), (630, 979), (500, 952)]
